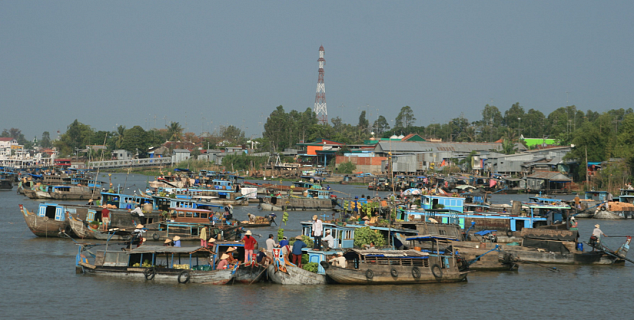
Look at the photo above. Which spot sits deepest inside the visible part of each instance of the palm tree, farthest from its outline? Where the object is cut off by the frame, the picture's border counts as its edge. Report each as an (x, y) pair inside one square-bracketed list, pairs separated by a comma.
[(120, 133), (174, 131)]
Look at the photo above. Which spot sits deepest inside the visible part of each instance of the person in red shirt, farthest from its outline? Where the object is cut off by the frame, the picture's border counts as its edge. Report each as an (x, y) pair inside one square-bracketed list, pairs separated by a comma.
[(249, 246), (105, 218)]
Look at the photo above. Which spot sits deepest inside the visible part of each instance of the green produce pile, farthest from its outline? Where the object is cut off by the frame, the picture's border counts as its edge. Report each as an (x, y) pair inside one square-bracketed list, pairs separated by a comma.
[(365, 235), (311, 266)]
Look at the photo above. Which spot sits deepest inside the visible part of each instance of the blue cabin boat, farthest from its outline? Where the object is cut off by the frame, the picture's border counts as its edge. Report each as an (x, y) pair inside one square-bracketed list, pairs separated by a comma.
[(599, 196), (429, 202)]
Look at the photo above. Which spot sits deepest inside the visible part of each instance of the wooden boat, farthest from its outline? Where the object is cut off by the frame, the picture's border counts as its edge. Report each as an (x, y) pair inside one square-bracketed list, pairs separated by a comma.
[(395, 267), (37, 194), (156, 263), (316, 199), (46, 222), (295, 276), (249, 274), (6, 180), (72, 192), (269, 207), (561, 247)]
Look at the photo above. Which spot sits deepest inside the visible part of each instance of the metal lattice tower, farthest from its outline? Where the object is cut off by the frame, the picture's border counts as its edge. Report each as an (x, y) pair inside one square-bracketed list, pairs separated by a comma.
[(320, 98)]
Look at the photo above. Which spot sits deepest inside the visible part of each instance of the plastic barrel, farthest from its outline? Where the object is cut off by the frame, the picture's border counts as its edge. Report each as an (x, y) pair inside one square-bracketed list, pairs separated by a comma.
[(579, 246)]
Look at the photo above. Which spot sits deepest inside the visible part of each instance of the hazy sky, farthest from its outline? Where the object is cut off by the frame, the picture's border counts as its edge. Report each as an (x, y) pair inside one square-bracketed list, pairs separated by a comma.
[(211, 63)]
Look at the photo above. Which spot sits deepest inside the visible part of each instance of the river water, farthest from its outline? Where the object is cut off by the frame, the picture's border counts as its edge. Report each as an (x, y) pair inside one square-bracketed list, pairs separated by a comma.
[(39, 281)]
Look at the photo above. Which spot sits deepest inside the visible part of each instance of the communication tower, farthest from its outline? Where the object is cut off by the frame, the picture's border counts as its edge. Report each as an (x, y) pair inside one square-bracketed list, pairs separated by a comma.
[(320, 98)]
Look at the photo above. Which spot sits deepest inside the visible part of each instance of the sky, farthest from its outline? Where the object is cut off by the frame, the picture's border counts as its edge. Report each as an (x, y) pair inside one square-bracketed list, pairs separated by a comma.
[(207, 64)]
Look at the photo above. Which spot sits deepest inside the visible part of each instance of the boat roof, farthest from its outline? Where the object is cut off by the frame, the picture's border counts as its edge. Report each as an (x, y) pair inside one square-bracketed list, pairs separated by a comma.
[(431, 238), (166, 249), (191, 210), (390, 253)]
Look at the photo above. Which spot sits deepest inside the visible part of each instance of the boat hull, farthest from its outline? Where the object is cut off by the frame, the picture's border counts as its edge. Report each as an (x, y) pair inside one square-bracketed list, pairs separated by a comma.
[(215, 277), (586, 258), (249, 274), (295, 276), (45, 227), (383, 275)]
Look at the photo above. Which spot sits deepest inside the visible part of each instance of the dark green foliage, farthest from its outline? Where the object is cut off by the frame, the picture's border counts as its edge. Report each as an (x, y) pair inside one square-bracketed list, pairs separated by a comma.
[(365, 235), (347, 167)]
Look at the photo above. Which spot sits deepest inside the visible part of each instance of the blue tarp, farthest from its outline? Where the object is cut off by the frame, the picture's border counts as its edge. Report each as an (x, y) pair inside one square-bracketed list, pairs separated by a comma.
[(485, 232)]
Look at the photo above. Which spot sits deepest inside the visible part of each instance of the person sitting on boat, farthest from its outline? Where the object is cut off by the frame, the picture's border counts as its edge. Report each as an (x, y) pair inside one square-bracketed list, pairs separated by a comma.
[(168, 243), (211, 243), (339, 261), (177, 241), (595, 238), (249, 246), (138, 235), (251, 218), (573, 224), (328, 241), (223, 262), (231, 259), (262, 258), (90, 202), (297, 251)]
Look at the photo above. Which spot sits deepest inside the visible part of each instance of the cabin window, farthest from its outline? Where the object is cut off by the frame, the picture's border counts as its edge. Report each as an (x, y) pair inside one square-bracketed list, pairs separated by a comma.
[(50, 212)]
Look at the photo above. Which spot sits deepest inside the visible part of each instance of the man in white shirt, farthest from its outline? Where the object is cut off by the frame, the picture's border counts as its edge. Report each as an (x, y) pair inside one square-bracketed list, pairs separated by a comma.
[(328, 241), (318, 231), (270, 244), (339, 261)]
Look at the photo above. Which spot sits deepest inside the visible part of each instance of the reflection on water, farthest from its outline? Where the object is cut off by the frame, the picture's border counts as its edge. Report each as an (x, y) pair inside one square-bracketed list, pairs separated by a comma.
[(39, 281)]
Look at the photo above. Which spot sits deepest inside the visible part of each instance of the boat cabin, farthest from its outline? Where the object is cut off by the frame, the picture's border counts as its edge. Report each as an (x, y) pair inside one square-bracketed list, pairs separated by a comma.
[(319, 194), (442, 202), (186, 258), (596, 195), (124, 201), (344, 236), (627, 195), (191, 215)]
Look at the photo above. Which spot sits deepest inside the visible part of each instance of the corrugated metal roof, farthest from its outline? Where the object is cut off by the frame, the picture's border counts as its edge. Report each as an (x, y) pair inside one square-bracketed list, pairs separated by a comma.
[(426, 146), (549, 175)]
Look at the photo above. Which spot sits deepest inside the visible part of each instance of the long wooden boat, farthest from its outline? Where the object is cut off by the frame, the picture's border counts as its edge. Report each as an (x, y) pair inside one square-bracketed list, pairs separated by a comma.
[(72, 192), (37, 194), (295, 276), (269, 207), (156, 263), (395, 267), (561, 247), (50, 224)]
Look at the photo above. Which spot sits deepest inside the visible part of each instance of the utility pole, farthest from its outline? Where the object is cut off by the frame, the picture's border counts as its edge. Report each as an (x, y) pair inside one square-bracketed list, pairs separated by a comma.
[(586, 166)]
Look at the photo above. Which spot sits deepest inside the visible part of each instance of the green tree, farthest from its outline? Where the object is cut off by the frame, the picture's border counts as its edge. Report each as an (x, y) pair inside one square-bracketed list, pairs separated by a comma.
[(347, 167), (77, 136), (534, 124), (364, 124), (513, 116), (380, 126), (405, 118), (45, 142), (174, 131)]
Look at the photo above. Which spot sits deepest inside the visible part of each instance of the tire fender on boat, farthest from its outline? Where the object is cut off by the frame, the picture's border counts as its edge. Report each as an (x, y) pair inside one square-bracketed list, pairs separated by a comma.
[(325, 265), (183, 277), (369, 274), (436, 271), (149, 273), (416, 273), (509, 233), (394, 272), (156, 236)]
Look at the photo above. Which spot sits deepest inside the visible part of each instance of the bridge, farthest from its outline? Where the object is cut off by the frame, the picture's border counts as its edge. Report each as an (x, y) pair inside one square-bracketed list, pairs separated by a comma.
[(135, 163)]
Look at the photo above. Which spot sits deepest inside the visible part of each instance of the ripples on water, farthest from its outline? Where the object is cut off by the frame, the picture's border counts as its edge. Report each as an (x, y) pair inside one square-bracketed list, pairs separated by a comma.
[(39, 281)]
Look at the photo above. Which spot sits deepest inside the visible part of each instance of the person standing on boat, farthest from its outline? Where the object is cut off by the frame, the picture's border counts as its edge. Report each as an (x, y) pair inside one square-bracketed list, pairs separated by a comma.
[(203, 237), (577, 202), (270, 244), (596, 236), (318, 231), (249, 246), (105, 218), (297, 251)]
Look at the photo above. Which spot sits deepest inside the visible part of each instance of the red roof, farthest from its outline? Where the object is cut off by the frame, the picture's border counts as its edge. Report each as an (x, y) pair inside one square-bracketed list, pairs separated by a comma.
[(6, 139)]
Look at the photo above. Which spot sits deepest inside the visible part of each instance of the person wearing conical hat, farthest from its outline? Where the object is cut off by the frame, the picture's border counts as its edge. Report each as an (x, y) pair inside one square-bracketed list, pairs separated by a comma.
[(177, 241), (223, 262), (595, 239), (249, 246), (317, 232), (167, 243)]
